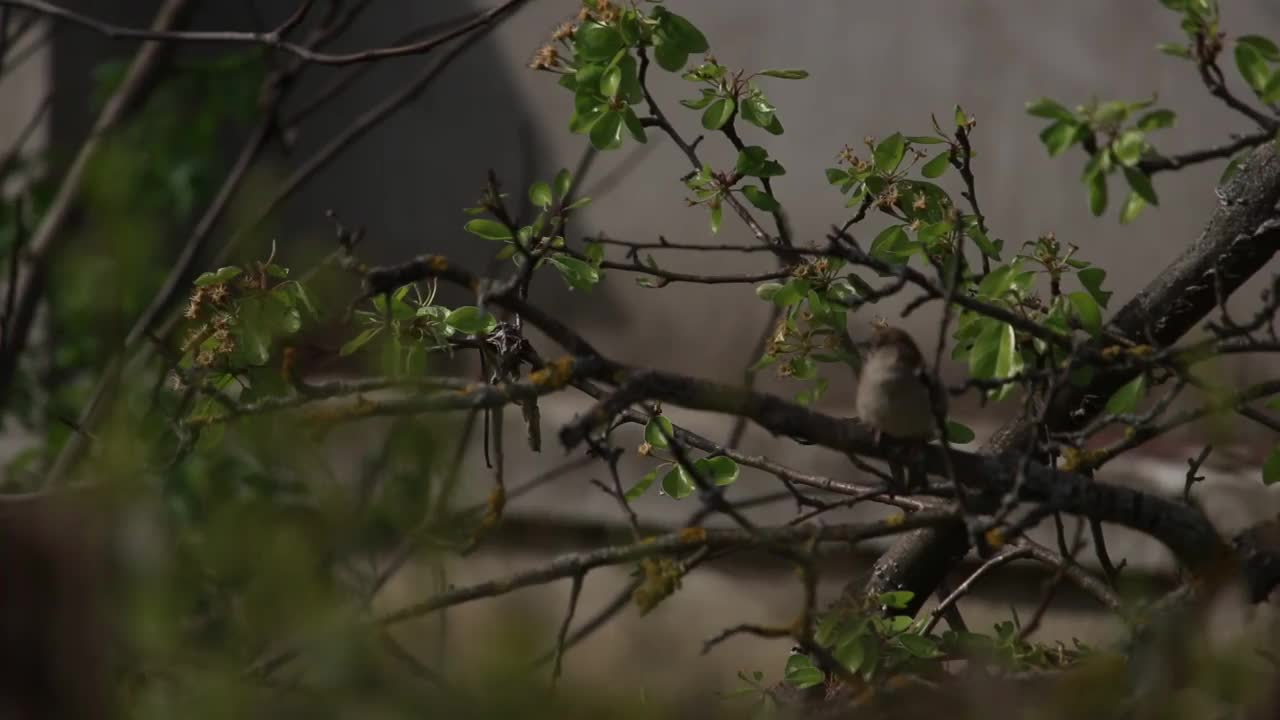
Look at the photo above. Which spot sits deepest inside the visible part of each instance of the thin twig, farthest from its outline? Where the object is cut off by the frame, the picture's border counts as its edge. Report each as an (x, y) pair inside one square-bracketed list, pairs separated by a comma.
[(272, 39), (574, 592)]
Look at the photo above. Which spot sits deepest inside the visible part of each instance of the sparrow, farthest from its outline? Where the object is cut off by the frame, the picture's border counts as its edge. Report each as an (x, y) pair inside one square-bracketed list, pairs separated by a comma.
[(893, 397)]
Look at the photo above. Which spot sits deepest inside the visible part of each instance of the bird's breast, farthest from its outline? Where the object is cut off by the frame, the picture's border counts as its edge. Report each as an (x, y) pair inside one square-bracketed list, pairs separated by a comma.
[(896, 403)]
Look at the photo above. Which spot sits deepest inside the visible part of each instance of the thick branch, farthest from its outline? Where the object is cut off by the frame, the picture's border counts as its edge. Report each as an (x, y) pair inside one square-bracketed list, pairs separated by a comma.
[(1237, 242), (1183, 529)]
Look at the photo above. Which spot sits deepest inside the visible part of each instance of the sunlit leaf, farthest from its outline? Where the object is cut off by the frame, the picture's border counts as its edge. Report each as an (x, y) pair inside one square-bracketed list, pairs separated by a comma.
[(488, 229), (641, 486), (888, 154)]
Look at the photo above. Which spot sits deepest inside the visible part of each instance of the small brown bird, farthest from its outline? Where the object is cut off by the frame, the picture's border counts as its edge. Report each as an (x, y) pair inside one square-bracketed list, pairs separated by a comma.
[(893, 392), (893, 397)]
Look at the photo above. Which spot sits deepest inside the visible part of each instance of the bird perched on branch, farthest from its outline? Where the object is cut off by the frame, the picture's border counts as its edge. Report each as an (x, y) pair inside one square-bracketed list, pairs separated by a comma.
[(894, 398)]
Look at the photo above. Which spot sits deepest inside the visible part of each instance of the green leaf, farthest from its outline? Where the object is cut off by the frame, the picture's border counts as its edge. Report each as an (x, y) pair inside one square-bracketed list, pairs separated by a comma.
[(719, 470), (700, 103), (606, 133), (1111, 113), (1178, 50), (683, 32), (576, 273), (359, 341), (562, 183), (642, 486), (1128, 147), (919, 645), (754, 161), (750, 159), (488, 229), (540, 194), (629, 27), (718, 113), (706, 71), (897, 600), (960, 118), (888, 154), (300, 294), (892, 245), (1091, 278), (596, 41), (768, 291), (836, 176), (584, 118), (986, 335), (470, 320), (1232, 166), (1253, 68), (791, 293), (760, 198), (988, 248), (220, 275), (786, 74), (896, 624), (717, 216), (654, 429), (1060, 136), (1271, 468), (1097, 184), (670, 56), (1133, 206), (1086, 311), (1141, 184), (852, 653), (1125, 400), (801, 673), (757, 111), (842, 292), (611, 81), (1157, 120), (1271, 93), (1051, 109), (1263, 46), (633, 125), (678, 484), (937, 166), (958, 434), (929, 234), (999, 281), (1008, 360)]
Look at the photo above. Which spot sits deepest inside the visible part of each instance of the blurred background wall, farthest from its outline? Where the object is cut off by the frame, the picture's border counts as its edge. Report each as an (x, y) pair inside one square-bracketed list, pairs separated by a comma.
[(875, 68)]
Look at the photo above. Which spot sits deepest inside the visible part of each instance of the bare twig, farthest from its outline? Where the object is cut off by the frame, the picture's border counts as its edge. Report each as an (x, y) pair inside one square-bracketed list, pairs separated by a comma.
[(574, 592), (273, 39)]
